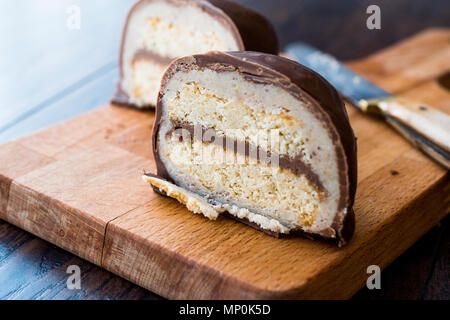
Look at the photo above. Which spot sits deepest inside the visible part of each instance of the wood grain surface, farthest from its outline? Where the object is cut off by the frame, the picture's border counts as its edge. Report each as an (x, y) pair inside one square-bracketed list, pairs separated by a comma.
[(79, 188)]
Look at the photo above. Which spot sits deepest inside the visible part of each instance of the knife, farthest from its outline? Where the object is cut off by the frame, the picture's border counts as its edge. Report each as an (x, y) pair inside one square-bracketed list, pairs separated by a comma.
[(426, 128)]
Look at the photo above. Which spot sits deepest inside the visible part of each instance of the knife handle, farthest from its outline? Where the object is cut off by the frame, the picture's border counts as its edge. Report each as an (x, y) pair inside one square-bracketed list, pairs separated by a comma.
[(425, 127)]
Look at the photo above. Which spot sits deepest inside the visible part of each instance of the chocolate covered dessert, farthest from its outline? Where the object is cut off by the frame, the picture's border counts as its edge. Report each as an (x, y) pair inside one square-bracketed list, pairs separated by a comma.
[(259, 138), (158, 31)]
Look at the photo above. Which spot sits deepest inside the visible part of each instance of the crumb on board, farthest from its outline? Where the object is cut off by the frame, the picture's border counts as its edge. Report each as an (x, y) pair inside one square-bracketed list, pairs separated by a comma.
[(394, 172)]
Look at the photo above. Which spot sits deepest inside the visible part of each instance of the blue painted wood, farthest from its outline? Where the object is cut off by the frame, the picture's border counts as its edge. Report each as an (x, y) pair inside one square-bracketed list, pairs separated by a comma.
[(89, 94), (42, 58)]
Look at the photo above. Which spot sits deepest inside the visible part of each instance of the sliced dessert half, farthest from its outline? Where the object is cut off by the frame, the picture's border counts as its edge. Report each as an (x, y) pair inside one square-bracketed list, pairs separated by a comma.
[(259, 138), (158, 31)]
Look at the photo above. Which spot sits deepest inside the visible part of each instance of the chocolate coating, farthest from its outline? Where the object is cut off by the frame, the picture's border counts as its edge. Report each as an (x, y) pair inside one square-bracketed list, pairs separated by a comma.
[(304, 84), (251, 30)]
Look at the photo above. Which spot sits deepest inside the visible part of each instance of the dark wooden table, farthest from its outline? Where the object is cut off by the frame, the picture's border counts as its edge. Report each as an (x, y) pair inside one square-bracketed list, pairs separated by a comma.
[(49, 72)]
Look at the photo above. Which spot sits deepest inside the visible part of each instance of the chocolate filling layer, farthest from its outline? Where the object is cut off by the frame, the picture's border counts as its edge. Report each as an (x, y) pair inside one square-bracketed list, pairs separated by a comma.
[(145, 54), (296, 166)]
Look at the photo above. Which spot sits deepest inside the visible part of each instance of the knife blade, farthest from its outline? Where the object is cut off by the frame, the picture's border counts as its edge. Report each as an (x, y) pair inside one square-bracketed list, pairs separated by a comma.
[(425, 127)]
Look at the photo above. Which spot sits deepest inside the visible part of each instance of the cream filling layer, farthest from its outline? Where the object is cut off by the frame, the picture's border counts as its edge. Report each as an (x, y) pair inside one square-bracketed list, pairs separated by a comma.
[(144, 82), (169, 30), (200, 205)]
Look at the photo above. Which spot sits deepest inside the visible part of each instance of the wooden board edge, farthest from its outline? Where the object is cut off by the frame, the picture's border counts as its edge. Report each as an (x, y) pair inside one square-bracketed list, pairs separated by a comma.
[(424, 34), (202, 282), (55, 222), (354, 275), (5, 185)]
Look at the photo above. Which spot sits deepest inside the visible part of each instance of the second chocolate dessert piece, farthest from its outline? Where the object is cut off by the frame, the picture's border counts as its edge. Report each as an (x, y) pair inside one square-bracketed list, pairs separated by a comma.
[(158, 31), (259, 138)]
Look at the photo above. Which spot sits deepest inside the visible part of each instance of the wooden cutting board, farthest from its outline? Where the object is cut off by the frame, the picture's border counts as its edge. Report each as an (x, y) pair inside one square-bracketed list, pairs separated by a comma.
[(77, 184)]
